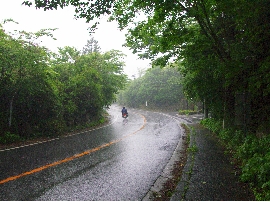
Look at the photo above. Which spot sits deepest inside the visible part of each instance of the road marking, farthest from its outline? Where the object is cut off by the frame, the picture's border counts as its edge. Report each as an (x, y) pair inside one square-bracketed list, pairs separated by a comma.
[(32, 144), (72, 157)]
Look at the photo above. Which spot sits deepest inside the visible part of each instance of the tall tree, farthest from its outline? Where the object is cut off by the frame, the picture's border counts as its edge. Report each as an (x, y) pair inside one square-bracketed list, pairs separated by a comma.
[(29, 99), (91, 46), (88, 82)]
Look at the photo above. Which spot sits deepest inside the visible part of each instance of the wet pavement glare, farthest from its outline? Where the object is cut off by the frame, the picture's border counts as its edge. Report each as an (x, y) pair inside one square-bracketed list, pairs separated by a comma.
[(123, 170)]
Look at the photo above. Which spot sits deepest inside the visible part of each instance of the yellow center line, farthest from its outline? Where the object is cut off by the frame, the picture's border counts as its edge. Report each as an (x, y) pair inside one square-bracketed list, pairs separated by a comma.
[(70, 158)]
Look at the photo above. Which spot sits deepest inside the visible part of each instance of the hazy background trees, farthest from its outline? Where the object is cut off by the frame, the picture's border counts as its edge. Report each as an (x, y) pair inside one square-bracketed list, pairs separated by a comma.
[(159, 88)]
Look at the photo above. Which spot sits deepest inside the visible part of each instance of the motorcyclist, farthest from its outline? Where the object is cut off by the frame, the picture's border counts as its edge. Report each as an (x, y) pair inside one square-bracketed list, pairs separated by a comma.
[(124, 111)]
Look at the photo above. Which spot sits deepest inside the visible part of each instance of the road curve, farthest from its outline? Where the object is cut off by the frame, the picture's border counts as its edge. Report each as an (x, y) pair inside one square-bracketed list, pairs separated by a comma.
[(118, 162)]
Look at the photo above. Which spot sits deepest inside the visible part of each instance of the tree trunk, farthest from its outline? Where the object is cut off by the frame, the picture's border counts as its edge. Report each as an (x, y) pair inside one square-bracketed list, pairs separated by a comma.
[(205, 109), (229, 108), (10, 112)]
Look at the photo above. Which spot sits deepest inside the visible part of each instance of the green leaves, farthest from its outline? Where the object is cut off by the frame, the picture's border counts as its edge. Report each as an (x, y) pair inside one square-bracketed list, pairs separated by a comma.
[(161, 88), (43, 93), (88, 82), (28, 95)]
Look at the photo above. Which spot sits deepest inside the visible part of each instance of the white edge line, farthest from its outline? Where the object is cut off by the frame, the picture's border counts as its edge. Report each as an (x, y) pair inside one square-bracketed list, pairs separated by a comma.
[(59, 138)]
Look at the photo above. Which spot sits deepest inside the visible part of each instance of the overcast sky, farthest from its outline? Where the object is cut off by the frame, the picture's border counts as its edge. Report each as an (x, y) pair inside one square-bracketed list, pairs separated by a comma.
[(70, 32)]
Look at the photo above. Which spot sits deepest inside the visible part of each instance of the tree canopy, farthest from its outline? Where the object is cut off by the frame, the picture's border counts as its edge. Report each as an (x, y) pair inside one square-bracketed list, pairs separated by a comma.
[(44, 93), (221, 46)]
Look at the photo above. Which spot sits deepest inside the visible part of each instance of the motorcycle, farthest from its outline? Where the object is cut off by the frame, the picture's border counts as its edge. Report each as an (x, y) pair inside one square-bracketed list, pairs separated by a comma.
[(125, 115)]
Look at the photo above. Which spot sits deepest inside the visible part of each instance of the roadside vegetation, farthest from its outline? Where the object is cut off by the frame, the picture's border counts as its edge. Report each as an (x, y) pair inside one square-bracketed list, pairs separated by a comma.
[(43, 93), (248, 151)]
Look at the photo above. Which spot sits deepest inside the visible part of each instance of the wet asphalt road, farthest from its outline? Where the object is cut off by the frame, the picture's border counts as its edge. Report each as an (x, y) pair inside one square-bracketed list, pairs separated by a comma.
[(122, 161)]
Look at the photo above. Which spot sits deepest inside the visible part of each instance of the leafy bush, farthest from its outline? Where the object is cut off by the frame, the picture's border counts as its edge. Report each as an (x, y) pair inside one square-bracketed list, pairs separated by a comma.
[(9, 138), (213, 125), (187, 112), (252, 152), (255, 154)]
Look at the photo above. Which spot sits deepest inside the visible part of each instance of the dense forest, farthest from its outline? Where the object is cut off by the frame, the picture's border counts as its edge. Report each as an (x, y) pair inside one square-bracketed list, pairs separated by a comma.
[(159, 89), (223, 54), (44, 93)]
